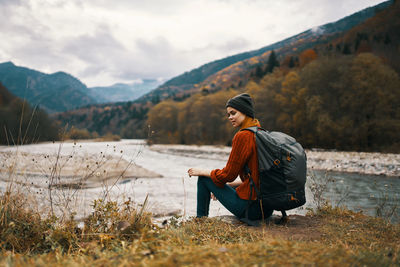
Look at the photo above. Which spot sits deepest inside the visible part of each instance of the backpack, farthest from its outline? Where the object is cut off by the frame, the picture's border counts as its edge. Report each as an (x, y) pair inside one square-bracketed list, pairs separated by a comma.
[(282, 165)]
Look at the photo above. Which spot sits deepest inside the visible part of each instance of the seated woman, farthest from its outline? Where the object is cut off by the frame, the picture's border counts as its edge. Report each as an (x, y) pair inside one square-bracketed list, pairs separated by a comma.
[(237, 197)]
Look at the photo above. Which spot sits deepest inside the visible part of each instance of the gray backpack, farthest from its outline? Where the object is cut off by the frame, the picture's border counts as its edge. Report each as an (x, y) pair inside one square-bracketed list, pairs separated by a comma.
[(282, 165)]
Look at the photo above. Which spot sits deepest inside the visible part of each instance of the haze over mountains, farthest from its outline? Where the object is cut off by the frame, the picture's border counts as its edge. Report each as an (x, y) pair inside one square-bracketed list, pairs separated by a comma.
[(121, 92)]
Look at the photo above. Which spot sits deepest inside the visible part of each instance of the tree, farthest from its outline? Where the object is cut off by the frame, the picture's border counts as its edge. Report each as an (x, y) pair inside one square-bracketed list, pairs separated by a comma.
[(272, 62), (346, 49), (162, 119), (374, 100), (259, 72), (307, 56)]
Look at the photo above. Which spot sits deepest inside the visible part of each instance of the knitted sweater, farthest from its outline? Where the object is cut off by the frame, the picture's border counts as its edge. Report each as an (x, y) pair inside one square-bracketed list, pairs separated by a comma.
[(243, 151)]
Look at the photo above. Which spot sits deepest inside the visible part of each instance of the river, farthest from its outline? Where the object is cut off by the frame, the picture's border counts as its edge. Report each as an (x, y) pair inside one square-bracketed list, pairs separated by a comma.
[(175, 193)]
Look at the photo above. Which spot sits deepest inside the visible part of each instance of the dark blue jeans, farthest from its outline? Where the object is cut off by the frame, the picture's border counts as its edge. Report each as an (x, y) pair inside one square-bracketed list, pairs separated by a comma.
[(228, 198)]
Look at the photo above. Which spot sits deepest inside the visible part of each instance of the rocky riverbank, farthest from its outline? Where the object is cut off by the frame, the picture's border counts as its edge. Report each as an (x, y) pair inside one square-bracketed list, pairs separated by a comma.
[(341, 161)]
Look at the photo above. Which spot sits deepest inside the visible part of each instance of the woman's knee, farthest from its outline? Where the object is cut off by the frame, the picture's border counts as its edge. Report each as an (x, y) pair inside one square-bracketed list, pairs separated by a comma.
[(202, 179)]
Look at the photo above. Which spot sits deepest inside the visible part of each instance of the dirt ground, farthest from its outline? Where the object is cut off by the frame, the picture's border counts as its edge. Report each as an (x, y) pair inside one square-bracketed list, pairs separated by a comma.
[(297, 227)]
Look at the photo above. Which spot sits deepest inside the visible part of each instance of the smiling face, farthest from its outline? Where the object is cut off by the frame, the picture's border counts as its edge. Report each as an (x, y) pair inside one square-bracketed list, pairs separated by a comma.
[(235, 116)]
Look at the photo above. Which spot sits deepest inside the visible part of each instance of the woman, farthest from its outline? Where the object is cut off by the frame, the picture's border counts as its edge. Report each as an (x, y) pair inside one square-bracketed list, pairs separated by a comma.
[(219, 183)]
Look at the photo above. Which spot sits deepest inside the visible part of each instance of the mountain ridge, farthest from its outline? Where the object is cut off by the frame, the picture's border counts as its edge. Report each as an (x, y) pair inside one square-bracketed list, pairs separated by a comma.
[(61, 91), (58, 91), (200, 74)]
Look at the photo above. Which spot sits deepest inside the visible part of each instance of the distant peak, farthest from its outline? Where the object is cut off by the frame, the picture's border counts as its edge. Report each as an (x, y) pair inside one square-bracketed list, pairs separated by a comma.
[(58, 73), (8, 63)]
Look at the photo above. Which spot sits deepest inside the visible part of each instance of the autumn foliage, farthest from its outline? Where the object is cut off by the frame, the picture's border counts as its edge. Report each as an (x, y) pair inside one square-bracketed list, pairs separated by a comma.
[(346, 103), (201, 119)]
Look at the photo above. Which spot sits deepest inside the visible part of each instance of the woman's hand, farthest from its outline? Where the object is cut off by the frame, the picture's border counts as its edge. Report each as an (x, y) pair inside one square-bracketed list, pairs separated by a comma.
[(198, 172), (235, 183)]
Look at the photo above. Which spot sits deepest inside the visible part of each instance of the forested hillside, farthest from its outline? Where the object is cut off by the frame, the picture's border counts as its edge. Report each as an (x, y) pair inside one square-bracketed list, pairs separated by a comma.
[(342, 95), (348, 102), (52, 92), (126, 119), (333, 91), (22, 124)]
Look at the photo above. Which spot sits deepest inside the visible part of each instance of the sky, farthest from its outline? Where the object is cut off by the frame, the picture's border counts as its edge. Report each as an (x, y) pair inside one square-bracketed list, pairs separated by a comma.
[(102, 42)]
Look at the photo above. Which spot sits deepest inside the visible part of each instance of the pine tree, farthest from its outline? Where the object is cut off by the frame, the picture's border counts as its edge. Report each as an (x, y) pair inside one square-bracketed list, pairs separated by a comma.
[(346, 49), (272, 62)]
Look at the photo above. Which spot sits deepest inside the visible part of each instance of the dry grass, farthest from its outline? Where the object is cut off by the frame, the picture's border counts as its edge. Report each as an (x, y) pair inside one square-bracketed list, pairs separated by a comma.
[(328, 237)]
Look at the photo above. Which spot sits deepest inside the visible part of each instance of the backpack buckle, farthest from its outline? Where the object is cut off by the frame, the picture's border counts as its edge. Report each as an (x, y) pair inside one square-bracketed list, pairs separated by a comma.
[(288, 157)]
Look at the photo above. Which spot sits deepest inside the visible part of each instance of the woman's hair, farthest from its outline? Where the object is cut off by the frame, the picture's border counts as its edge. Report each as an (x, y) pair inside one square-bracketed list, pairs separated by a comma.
[(243, 103)]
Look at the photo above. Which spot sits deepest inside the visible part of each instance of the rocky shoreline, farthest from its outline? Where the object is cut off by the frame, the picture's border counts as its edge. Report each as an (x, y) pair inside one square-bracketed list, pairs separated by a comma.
[(355, 162), (367, 163)]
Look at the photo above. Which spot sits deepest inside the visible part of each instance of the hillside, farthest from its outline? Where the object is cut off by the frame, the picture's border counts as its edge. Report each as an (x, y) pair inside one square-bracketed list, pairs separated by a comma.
[(129, 119), (184, 84), (53, 92), (377, 34), (22, 124), (342, 94)]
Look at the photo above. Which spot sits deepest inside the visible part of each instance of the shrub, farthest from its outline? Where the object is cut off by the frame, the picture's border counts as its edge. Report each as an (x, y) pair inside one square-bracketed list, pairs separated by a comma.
[(21, 228), (109, 137), (75, 133)]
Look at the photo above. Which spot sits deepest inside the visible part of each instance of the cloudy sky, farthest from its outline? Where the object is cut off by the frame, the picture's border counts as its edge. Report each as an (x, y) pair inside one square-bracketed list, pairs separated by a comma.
[(102, 42)]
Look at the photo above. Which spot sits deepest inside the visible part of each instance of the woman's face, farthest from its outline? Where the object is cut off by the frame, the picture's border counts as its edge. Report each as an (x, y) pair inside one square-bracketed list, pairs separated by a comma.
[(235, 116)]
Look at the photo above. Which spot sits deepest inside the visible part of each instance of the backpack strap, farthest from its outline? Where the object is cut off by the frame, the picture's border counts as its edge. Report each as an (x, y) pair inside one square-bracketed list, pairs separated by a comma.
[(246, 218), (253, 129), (252, 185)]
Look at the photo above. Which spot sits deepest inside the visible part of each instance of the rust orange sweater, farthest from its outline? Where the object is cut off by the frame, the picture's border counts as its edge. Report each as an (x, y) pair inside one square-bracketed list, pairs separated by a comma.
[(243, 151)]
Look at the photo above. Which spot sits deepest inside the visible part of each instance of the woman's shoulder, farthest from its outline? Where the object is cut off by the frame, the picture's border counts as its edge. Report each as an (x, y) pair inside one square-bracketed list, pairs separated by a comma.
[(243, 135)]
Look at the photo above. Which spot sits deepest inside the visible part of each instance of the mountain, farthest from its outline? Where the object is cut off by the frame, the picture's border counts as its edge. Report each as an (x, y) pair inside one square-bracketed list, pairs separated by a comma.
[(129, 119), (377, 34), (341, 94), (184, 84), (123, 92), (53, 92)]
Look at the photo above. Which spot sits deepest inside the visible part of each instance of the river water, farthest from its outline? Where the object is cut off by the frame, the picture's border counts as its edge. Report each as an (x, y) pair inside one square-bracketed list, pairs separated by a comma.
[(175, 192), (374, 195)]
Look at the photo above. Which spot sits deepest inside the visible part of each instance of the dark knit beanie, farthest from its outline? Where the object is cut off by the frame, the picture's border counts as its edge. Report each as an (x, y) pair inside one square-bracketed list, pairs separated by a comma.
[(243, 103)]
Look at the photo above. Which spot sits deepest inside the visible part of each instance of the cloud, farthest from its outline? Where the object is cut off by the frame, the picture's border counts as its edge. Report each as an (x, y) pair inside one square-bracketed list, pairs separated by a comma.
[(148, 58), (96, 48), (317, 30), (104, 42), (4, 3), (153, 7)]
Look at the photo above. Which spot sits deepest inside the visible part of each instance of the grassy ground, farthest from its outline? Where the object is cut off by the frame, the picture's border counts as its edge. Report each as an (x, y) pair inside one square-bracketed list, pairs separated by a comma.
[(328, 237)]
